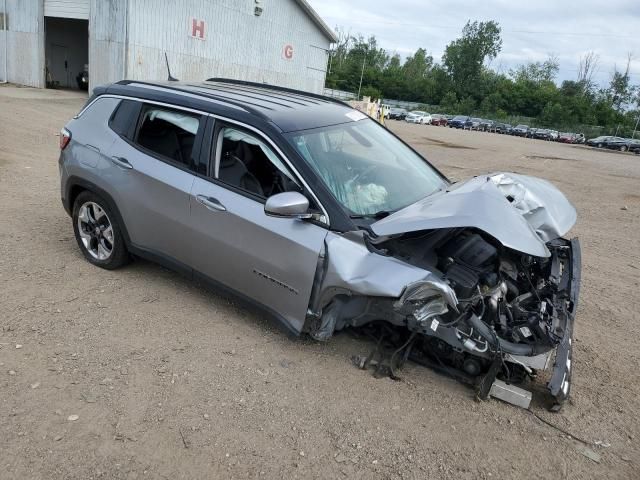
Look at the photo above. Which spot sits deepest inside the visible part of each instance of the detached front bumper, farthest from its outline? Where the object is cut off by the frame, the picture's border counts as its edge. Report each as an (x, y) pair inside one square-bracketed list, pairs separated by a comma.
[(560, 383)]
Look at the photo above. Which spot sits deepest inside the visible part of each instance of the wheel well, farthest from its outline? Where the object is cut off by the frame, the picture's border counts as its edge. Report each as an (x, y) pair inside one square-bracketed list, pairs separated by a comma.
[(78, 186), (73, 194)]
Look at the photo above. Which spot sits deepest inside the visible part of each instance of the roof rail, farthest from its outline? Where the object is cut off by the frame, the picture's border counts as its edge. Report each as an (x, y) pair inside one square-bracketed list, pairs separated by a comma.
[(269, 86), (209, 96)]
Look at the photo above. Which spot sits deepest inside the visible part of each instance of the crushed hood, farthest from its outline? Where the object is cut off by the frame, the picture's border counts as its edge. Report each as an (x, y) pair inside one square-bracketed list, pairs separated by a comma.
[(521, 212)]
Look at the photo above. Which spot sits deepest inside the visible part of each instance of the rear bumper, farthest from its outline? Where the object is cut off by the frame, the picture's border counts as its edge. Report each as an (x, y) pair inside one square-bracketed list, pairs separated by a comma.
[(560, 383)]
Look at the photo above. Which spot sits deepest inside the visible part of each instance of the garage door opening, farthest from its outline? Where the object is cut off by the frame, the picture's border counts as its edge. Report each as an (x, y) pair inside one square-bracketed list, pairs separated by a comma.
[(66, 53)]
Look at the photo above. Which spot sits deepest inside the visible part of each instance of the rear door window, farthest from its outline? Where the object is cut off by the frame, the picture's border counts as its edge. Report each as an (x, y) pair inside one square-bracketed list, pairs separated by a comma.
[(169, 134), (124, 118)]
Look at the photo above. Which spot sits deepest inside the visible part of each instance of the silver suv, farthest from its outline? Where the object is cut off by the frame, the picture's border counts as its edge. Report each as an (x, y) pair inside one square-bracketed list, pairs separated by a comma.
[(327, 220)]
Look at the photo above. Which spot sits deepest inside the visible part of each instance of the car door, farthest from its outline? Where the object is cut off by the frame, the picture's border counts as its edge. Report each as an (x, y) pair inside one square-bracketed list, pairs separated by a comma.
[(153, 168), (271, 261)]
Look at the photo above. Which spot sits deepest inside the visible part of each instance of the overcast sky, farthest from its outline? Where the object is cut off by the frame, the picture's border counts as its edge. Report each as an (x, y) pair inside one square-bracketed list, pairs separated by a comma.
[(531, 30)]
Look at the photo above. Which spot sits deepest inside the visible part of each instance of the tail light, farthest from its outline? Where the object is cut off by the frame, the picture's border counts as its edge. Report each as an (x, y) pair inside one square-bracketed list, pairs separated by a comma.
[(65, 138)]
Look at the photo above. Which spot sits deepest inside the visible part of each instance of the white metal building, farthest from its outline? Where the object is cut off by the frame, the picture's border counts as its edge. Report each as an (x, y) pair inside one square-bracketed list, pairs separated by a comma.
[(49, 42)]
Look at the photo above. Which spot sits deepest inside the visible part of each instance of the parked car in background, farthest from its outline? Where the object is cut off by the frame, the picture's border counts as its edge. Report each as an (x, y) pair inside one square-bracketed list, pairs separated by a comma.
[(418, 116), (532, 132), (486, 125), (599, 142), (566, 137), (634, 146), (541, 134), (474, 123), (459, 121), (439, 120), (520, 130), (553, 135), (617, 143), (396, 113), (505, 128)]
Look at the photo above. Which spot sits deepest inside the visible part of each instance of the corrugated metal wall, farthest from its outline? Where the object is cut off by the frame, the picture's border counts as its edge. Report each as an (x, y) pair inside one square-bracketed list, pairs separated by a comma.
[(25, 42), (78, 9), (237, 43), (107, 36)]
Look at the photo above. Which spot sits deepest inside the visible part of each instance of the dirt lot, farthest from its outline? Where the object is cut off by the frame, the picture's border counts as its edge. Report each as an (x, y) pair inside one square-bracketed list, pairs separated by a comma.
[(170, 380)]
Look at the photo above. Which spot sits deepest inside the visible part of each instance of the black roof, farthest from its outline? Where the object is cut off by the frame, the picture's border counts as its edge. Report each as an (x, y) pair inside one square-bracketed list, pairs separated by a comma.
[(288, 109)]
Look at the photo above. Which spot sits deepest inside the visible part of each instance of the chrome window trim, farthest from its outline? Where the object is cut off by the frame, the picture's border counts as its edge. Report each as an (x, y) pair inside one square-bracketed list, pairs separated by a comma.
[(327, 220)]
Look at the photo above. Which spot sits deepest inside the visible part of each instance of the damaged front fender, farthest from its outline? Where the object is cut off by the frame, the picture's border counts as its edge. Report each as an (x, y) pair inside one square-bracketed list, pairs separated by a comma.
[(351, 269)]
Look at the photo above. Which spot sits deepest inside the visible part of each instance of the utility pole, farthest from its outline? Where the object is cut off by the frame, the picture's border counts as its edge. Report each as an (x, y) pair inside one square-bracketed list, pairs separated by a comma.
[(362, 74), (635, 128)]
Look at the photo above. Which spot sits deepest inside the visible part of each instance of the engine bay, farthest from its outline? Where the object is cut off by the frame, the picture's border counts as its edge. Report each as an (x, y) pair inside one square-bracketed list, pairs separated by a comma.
[(513, 310)]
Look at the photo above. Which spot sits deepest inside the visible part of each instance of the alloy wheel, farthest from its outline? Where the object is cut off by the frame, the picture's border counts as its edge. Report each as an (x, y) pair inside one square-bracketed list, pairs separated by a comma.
[(96, 231)]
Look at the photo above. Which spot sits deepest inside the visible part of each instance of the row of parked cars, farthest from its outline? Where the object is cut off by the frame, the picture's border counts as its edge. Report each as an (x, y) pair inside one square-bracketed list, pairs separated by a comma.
[(616, 143), (484, 125)]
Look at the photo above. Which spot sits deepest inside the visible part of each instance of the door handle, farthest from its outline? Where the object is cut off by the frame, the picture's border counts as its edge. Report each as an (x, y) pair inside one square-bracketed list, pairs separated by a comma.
[(211, 203), (121, 162)]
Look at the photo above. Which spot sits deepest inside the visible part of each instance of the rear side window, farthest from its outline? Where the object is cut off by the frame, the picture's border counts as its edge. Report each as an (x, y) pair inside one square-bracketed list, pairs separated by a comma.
[(169, 134), (124, 118)]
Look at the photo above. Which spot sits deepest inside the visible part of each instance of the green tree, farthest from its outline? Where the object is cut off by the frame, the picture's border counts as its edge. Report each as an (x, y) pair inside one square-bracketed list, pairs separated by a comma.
[(464, 58), (464, 83)]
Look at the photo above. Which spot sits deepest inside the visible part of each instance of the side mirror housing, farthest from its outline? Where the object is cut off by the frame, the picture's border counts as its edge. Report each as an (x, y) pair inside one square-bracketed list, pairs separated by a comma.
[(287, 205)]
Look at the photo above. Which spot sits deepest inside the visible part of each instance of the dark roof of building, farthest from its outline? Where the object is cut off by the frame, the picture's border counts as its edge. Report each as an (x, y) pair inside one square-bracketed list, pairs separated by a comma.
[(290, 110)]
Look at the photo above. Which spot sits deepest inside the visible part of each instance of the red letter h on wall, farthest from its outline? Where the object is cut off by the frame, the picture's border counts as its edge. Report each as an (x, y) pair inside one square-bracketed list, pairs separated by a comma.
[(197, 28)]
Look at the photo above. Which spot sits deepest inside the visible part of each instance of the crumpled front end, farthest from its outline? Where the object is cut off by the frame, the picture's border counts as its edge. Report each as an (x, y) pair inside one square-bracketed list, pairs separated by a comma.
[(462, 299)]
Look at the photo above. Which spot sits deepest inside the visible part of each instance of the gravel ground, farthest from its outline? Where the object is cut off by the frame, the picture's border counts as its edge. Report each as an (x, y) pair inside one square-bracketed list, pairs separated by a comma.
[(140, 373)]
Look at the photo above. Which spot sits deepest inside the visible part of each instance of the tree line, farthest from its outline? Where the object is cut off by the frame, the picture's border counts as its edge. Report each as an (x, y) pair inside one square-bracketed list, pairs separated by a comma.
[(464, 83)]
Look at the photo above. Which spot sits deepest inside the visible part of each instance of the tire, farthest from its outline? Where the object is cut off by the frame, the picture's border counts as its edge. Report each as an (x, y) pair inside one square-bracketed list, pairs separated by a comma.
[(623, 148), (599, 145), (98, 232)]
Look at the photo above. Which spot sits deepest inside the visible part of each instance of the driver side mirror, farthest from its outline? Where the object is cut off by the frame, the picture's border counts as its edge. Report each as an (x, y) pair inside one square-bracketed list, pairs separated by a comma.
[(288, 205)]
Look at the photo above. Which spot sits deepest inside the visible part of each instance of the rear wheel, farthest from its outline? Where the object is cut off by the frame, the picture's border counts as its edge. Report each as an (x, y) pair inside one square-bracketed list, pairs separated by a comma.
[(623, 148), (98, 233), (599, 145)]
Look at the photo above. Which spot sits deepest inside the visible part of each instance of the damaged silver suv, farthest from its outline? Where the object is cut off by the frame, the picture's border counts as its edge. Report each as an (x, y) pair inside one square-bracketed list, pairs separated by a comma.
[(327, 220)]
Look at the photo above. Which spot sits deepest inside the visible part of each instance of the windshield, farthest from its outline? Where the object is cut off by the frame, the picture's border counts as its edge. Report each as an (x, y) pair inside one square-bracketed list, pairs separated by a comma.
[(368, 170), (459, 117)]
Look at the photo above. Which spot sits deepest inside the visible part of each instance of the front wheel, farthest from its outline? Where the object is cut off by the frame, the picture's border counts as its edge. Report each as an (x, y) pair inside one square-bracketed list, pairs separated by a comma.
[(98, 233), (623, 148)]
